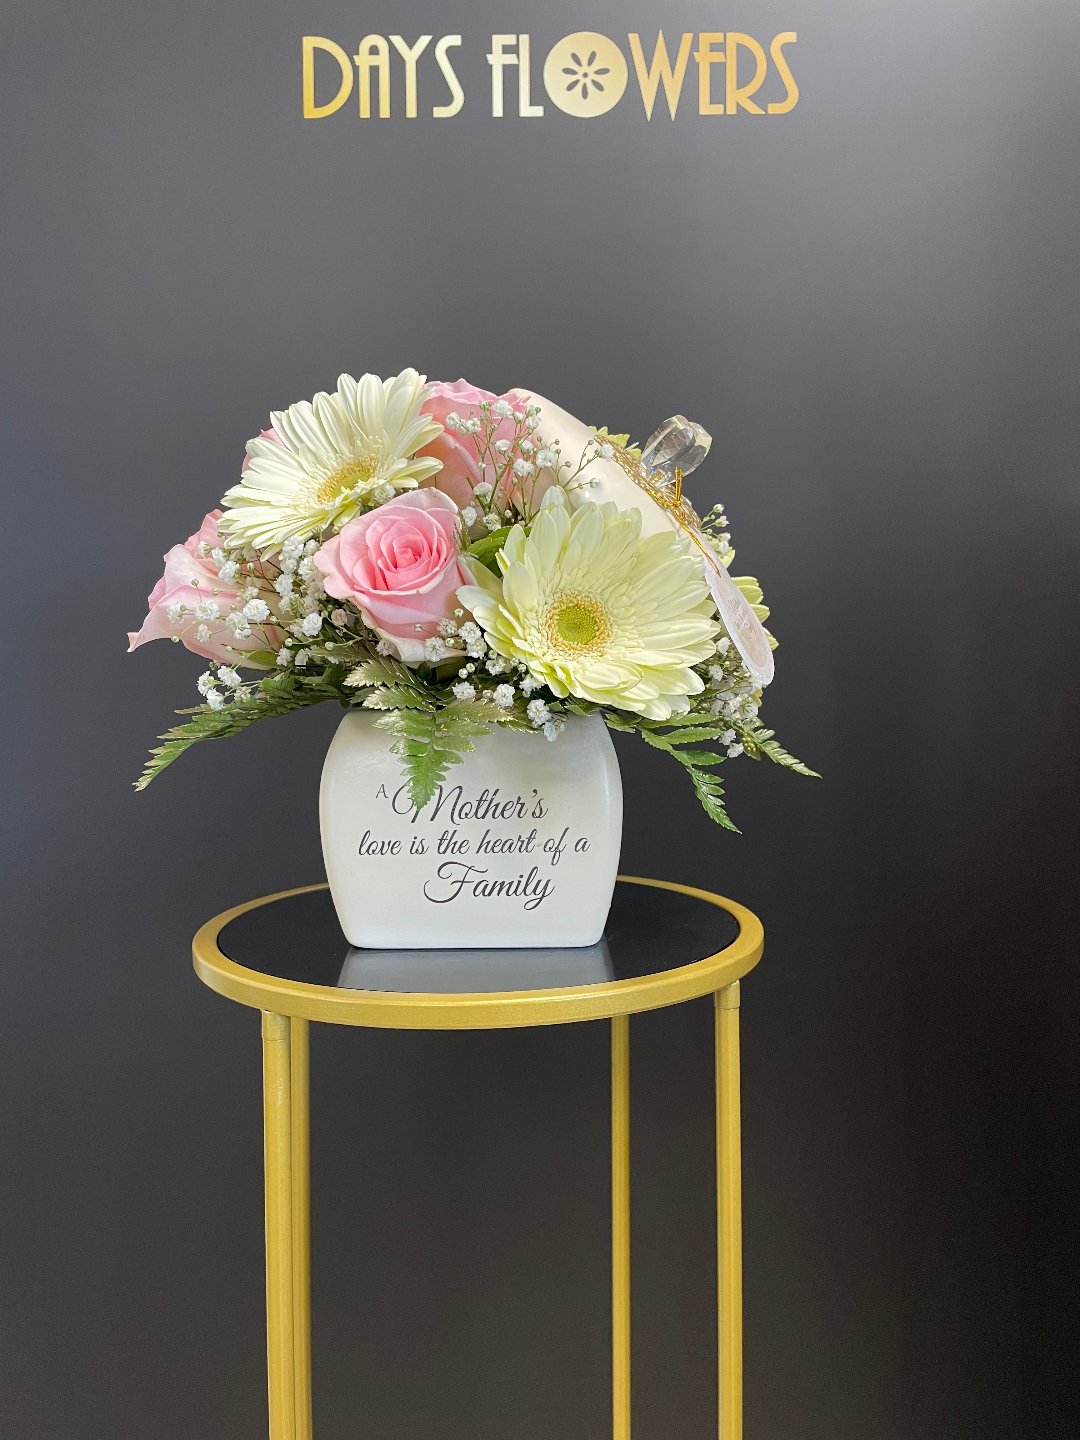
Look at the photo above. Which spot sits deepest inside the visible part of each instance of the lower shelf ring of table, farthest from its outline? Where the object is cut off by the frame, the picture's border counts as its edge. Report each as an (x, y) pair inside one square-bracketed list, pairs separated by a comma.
[(479, 1010)]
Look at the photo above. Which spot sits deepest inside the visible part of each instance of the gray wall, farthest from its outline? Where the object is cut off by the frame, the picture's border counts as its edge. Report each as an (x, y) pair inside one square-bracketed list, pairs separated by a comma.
[(872, 303)]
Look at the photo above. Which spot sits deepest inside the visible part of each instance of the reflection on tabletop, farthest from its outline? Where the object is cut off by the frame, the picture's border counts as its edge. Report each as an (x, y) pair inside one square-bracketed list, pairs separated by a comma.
[(464, 971)]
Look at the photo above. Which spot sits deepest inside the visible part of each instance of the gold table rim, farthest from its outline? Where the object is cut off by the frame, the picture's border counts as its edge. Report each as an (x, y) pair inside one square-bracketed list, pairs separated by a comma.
[(495, 1010)]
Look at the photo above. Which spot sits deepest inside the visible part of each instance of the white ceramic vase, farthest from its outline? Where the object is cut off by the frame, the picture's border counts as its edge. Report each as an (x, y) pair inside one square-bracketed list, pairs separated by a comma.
[(518, 847)]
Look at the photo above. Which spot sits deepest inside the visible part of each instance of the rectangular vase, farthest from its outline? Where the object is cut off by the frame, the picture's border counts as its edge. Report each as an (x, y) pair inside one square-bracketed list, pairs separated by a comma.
[(519, 846)]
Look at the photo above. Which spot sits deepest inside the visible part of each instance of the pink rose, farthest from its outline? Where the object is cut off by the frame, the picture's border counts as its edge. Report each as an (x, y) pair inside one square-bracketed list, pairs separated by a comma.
[(191, 580), (400, 566), (461, 463)]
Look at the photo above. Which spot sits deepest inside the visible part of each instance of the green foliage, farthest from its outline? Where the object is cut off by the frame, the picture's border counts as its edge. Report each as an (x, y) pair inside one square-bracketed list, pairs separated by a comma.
[(487, 548), (382, 670), (390, 685), (681, 737), (431, 732), (430, 735), (326, 684), (759, 742), (237, 715), (623, 441), (614, 720), (430, 740), (710, 792), (480, 708), (394, 697)]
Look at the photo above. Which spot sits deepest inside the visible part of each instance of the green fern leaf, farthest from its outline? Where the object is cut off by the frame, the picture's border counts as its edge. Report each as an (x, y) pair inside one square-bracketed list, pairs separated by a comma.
[(759, 742), (615, 721), (394, 697), (429, 741), (676, 737), (710, 792), (696, 759), (692, 734), (655, 739), (207, 724), (382, 670), (484, 712)]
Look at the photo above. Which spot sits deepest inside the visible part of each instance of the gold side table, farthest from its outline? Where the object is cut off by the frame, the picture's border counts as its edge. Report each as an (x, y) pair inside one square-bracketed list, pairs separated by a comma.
[(665, 943)]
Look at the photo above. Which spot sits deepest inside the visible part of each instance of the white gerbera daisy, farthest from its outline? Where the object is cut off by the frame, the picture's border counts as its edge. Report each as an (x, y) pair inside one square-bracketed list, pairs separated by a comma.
[(332, 456), (595, 611)]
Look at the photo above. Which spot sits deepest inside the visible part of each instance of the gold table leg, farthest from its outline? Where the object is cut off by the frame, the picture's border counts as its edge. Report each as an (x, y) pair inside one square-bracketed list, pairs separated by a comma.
[(620, 1226), (729, 1213), (285, 1141), (301, 1228), (286, 1159)]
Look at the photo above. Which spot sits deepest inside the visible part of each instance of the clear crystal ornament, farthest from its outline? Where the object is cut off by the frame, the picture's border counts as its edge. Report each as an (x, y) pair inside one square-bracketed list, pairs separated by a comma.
[(671, 453), (678, 444)]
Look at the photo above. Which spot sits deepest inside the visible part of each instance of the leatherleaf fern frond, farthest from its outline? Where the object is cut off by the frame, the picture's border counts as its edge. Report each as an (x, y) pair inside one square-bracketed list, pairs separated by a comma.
[(685, 738), (207, 724), (394, 697), (381, 670), (432, 738), (389, 685), (758, 742)]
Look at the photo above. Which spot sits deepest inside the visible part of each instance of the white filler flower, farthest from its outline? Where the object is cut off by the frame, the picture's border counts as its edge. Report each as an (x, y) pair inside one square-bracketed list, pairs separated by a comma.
[(595, 611), (332, 454)]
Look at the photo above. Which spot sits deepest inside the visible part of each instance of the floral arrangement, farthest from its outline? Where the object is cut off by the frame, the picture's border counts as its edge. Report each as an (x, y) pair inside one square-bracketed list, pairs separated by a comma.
[(429, 553)]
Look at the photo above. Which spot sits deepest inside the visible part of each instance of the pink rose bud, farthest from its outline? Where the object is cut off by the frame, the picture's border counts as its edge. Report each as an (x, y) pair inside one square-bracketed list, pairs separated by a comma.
[(459, 455), (192, 600), (400, 565)]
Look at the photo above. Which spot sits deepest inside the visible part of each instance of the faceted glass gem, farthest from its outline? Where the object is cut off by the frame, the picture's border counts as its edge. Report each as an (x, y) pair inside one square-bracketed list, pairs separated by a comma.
[(678, 443)]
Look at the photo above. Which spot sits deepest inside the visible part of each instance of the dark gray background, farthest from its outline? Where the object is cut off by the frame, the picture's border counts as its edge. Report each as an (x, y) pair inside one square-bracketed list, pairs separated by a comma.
[(873, 305)]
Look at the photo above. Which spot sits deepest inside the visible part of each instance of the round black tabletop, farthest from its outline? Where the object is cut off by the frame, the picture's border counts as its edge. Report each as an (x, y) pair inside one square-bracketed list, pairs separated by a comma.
[(663, 942)]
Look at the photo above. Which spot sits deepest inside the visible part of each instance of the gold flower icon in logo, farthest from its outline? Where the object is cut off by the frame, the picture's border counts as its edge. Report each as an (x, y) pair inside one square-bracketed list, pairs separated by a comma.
[(581, 73), (585, 74)]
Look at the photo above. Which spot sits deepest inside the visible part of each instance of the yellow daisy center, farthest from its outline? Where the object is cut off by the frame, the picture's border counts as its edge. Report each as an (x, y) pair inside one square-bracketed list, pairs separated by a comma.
[(577, 625), (345, 477)]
